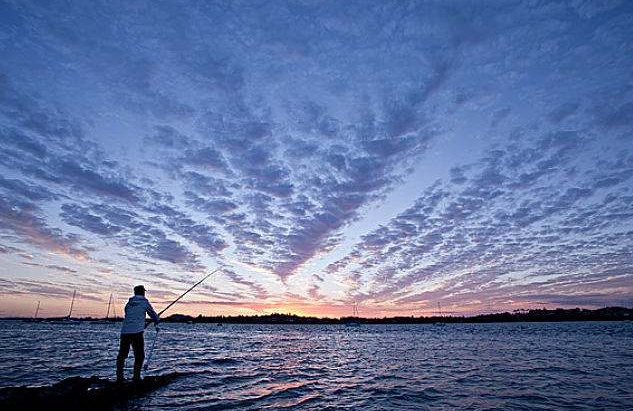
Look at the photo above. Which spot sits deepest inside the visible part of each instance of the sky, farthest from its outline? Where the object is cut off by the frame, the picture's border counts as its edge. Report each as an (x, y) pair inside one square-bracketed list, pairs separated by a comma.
[(414, 157)]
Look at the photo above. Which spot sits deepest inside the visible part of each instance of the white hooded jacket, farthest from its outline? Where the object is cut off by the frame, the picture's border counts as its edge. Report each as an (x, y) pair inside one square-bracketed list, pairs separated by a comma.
[(135, 309)]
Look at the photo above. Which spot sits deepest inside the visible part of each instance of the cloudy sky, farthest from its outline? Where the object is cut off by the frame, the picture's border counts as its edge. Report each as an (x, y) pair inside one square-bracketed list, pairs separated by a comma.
[(402, 154)]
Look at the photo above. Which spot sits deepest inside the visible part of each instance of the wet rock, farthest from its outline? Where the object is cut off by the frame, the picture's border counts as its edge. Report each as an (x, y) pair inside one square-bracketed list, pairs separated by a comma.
[(81, 393)]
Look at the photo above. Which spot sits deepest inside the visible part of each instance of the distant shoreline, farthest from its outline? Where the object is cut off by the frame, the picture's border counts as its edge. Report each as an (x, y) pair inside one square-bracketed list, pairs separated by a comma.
[(541, 315)]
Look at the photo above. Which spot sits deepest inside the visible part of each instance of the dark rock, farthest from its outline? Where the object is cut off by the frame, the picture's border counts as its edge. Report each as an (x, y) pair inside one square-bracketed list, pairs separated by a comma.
[(81, 393)]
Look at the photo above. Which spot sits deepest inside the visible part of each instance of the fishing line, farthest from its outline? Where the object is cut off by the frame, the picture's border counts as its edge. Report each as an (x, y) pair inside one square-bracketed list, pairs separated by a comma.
[(151, 351), (185, 293)]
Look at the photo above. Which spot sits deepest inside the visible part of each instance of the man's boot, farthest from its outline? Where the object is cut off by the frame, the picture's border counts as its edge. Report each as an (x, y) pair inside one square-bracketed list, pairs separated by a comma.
[(137, 369)]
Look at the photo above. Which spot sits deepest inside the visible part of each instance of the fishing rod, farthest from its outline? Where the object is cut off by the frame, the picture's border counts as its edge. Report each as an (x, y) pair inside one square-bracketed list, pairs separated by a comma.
[(185, 293), (149, 357)]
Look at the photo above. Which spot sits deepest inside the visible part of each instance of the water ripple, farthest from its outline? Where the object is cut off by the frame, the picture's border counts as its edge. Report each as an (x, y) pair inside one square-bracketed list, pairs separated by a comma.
[(292, 367)]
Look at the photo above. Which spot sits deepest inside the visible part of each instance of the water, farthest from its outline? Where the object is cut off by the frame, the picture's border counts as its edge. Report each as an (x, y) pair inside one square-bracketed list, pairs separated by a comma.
[(529, 366)]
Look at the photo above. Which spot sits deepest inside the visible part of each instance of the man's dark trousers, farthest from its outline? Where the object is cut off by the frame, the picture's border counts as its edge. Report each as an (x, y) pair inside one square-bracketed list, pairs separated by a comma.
[(138, 346)]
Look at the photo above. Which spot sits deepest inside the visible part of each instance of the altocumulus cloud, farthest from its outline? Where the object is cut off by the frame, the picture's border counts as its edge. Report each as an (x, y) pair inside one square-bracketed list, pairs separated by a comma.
[(171, 137)]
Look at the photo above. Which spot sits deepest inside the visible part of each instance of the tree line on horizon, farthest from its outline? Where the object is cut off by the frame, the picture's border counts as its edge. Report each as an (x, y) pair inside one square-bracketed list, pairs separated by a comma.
[(536, 315), (533, 315)]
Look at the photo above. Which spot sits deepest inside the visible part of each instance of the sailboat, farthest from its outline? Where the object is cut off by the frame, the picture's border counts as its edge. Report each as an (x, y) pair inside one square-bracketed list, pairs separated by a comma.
[(353, 322), (72, 303), (439, 314), (34, 319), (68, 319), (107, 316), (109, 304), (115, 317)]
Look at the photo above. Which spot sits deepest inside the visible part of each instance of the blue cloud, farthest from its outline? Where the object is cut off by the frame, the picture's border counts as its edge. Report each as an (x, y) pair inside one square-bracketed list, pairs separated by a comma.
[(183, 138)]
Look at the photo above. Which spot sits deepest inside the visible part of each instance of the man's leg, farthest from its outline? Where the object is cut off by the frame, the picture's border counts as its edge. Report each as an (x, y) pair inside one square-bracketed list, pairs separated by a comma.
[(124, 350), (138, 345)]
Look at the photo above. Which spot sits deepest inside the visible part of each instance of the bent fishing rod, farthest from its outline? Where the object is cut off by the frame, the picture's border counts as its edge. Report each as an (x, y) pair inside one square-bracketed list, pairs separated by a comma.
[(151, 351), (185, 293)]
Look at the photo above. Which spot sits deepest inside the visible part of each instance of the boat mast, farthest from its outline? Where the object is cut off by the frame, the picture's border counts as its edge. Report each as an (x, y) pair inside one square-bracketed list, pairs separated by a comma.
[(109, 302), (72, 302), (37, 310)]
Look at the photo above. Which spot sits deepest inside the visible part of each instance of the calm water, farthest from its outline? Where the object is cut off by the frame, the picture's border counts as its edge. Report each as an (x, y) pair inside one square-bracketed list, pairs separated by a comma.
[(253, 367)]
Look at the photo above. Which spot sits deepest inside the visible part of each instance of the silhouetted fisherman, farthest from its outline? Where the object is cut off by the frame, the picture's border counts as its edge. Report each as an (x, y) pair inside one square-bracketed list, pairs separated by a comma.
[(132, 332)]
